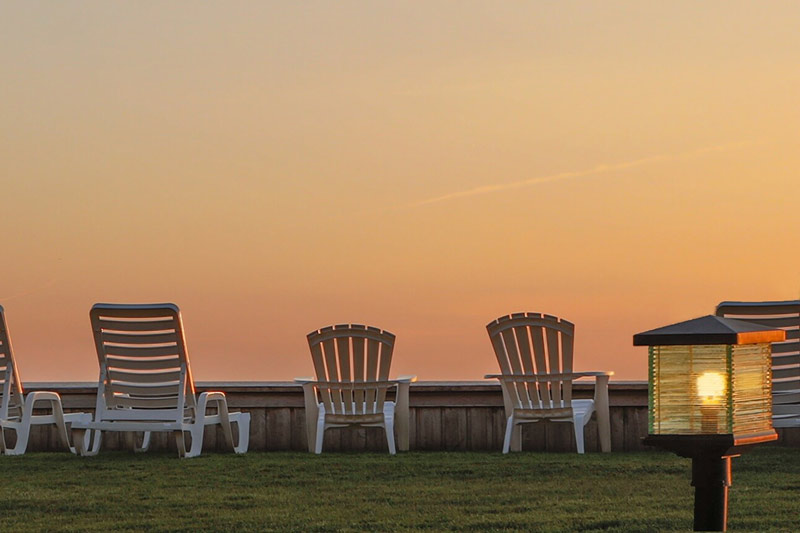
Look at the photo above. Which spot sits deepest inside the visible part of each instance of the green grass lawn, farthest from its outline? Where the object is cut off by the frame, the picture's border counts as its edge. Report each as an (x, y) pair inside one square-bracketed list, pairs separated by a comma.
[(625, 492)]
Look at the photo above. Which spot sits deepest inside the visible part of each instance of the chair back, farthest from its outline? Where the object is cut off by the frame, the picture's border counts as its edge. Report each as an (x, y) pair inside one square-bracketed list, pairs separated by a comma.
[(11, 403), (352, 364), (539, 346), (785, 355), (144, 364)]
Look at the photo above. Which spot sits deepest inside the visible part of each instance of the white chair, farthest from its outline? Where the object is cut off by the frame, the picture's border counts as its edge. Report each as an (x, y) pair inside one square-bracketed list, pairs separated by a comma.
[(352, 365), (146, 382), (16, 410), (785, 355), (535, 356)]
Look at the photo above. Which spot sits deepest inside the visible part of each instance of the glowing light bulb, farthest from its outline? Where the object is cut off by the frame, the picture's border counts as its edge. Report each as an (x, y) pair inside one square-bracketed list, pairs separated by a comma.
[(711, 387)]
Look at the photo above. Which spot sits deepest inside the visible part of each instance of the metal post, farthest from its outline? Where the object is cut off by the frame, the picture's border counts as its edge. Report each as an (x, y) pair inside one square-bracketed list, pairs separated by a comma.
[(711, 477)]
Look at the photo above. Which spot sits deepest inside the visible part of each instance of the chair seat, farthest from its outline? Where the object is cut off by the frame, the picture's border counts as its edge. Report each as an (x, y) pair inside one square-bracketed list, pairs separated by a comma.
[(360, 419), (581, 411)]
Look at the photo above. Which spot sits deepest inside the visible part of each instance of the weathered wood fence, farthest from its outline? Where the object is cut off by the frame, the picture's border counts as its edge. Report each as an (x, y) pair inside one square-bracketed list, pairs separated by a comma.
[(454, 416)]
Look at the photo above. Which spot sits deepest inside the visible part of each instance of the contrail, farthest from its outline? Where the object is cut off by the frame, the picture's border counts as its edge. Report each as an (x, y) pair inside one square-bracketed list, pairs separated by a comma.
[(597, 169)]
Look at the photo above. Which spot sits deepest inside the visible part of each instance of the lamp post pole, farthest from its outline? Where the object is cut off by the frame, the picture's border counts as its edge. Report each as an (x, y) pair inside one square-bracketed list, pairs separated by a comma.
[(711, 477)]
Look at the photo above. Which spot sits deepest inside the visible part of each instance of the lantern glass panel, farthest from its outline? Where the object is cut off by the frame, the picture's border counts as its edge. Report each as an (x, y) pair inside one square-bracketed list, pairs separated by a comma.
[(690, 390), (752, 388), (710, 389)]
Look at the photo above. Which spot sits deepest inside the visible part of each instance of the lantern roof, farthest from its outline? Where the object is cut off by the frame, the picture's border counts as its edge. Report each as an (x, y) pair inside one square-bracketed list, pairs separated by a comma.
[(709, 330)]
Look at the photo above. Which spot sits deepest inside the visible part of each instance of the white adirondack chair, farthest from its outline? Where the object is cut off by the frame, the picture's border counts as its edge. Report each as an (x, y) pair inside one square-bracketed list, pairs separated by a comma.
[(352, 365), (146, 382), (16, 410), (785, 355), (535, 356)]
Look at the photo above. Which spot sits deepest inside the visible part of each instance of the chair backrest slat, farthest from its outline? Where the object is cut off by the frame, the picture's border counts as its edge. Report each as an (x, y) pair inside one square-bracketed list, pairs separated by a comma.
[(535, 344), (331, 364), (359, 356), (554, 365), (373, 353), (537, 337), (348, 354), (784, 315), (383, 367), (513, 356), (143, 359), (567, 345), (522, 336), (11, 404), (345, 359)]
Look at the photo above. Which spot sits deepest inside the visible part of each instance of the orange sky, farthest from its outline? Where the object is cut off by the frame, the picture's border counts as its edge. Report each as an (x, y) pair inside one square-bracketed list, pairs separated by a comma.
[(421, 167)]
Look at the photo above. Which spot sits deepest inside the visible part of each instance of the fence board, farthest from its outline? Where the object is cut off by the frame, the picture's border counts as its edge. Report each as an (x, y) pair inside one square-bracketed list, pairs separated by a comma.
[(297, 441), (454, 429), (429, 428)]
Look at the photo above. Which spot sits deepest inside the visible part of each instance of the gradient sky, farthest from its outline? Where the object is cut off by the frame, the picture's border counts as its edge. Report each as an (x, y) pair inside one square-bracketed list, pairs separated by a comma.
[(425, 167)]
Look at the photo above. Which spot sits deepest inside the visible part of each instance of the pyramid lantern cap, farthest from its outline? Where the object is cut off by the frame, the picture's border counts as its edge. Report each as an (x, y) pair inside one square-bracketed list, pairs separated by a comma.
[(709, 329)]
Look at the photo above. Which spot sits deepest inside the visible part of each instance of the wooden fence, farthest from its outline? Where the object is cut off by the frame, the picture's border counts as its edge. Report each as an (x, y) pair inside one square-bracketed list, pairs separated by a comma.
[(453, 416)]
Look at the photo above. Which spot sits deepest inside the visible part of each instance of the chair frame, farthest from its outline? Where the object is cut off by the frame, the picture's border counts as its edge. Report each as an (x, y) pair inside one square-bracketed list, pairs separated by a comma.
[(16, 409), (535, 353), (785, 355), (146, 383), (352, 363)]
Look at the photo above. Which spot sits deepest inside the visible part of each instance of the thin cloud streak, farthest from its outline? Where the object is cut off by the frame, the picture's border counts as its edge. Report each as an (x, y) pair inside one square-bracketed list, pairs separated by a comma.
[(598, 169)]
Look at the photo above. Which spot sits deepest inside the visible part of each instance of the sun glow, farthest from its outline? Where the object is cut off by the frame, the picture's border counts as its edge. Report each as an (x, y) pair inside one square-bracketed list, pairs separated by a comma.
[(711, 387)]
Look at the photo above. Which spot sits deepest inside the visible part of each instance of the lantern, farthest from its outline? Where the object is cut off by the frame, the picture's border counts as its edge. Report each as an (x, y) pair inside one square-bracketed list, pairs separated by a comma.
[(710, 398)]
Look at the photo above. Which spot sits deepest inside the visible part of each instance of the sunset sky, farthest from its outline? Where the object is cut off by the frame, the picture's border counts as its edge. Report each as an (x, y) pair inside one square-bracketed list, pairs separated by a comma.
[(424, 167)]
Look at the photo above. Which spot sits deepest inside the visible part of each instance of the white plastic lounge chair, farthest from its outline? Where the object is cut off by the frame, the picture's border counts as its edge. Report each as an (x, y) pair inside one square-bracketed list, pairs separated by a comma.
[(785, 355), (16, 411), (535, 356), (352, 365), (146, 381)]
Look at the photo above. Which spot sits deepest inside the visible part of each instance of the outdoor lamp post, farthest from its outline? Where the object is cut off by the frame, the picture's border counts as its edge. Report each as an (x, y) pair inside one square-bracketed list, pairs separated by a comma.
[(710, 398)]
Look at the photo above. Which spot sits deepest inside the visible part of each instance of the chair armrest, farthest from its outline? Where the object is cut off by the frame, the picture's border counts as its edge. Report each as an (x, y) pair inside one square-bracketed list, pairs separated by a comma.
[(216, 397), (355, 385), (405, 379), (579, 375), (43, 395), (543, 378), (212, 396), (303, 380)]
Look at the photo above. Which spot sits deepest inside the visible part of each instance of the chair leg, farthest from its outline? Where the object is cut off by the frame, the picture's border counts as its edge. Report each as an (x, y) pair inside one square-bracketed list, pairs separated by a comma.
[(509, 433), (23, 428), (402, 417), (243, 425), (312, 415), (604, 430), (145, 443), (96, 439), (197, 430), (388, 426), (516, 438), (86, 443), (578, 435), (320, 434), (80, 437), (180, 442), (603, 416), (61, 425), (23, 433)]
